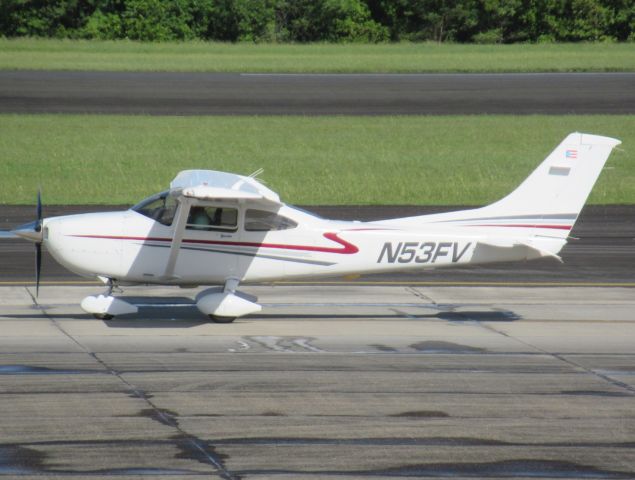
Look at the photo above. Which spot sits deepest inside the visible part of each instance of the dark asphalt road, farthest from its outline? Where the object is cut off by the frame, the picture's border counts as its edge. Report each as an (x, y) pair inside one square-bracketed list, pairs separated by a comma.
[(603, 253), (279, 94)]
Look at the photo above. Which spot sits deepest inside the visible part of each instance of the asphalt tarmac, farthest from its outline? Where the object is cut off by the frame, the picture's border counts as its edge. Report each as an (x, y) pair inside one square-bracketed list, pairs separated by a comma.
[(305, 94), (603, 251), (326, 382)]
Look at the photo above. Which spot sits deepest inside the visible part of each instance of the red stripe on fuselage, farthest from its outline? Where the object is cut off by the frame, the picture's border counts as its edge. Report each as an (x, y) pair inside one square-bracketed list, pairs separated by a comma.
[(348, 248)]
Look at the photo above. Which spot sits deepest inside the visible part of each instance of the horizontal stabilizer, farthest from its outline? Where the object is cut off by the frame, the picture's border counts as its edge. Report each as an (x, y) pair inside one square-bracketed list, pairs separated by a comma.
[(510, 247)]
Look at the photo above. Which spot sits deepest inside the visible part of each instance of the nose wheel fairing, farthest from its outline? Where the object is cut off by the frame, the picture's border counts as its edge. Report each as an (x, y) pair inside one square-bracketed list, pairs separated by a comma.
[(107, 306)]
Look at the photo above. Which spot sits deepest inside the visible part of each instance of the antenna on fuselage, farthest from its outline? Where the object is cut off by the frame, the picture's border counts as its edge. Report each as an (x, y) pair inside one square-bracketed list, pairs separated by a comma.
[(256, 173)]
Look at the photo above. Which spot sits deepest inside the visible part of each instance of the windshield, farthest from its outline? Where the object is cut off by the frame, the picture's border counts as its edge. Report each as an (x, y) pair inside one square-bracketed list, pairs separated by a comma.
[(160, 207)]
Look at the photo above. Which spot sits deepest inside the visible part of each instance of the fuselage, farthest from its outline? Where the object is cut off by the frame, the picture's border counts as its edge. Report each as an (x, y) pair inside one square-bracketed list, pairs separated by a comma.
[(133, 247)]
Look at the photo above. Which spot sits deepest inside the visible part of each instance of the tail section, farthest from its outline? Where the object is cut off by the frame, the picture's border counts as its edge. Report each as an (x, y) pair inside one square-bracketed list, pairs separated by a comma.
[(560, 186), (549, 200)]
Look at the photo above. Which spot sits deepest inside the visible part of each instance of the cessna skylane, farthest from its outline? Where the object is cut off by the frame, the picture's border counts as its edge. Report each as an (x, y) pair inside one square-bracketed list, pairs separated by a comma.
[(221, 229)]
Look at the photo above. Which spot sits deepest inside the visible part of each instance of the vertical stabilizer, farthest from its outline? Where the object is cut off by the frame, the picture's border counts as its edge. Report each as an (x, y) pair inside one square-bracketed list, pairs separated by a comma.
[(563, 181), (550, 199)]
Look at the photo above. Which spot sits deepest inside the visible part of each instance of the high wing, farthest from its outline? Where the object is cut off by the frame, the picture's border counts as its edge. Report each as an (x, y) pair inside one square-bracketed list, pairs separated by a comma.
[(213, 185), (191, 187)]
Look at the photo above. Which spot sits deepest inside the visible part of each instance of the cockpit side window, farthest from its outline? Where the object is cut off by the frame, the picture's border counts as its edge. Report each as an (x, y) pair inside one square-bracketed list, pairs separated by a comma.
[(264, 221), (212, 218), (161, 207)]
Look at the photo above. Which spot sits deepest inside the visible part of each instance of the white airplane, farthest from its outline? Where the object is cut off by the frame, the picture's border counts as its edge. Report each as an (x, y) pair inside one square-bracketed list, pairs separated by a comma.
[(216, 228)]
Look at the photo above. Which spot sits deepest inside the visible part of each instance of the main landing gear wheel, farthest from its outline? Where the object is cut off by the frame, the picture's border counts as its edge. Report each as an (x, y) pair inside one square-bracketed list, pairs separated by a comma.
[(217, 319), (225, 306), (103, 316)]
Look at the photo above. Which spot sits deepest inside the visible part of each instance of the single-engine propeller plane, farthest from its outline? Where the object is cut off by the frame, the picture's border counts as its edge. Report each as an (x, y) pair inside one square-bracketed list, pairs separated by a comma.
[(221, 229)]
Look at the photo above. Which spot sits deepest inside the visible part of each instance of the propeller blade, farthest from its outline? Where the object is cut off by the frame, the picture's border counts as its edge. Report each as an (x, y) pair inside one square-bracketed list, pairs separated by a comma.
[(38, 267), (38, 245), (38, 209)]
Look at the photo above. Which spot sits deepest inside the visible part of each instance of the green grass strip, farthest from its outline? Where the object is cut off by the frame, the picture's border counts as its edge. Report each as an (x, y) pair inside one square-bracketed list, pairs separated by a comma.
[(81, 159), (245, 57)]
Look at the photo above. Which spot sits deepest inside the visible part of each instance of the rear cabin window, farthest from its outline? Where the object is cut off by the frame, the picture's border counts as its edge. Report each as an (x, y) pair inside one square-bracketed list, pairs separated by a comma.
[(160, 207), (263, 221), (212, 218)]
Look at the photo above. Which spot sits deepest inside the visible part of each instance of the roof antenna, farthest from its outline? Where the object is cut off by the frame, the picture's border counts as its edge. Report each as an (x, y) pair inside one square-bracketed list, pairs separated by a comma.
[(255, 176), (256, 173)]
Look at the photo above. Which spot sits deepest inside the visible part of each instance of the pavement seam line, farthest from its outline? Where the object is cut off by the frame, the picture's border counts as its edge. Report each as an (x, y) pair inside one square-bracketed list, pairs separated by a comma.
[(506, 335), (418, 295), (571, 363), (421, 296), (194, 441), (606, 378)]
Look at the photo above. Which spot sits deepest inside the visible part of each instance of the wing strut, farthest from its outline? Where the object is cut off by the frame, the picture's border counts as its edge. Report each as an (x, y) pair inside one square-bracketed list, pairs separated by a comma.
[(179, 229)]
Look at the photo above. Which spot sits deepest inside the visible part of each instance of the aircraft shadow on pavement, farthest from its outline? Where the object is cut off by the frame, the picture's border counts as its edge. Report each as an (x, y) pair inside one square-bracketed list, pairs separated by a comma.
[(160, 318), (181, 312), (452, 316), (146, 317), (160, 312), (478, 316), (186, 317)]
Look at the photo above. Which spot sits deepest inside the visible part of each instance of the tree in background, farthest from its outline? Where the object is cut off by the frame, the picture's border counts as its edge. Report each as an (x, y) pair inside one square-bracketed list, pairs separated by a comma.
[(157, 20), (622, 23), (236, 20), (417, 20), (479, 21), (42, 18), (326, 20)]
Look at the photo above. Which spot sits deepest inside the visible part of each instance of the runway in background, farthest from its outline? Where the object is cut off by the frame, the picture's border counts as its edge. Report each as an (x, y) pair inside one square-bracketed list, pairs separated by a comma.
[(319, 94)]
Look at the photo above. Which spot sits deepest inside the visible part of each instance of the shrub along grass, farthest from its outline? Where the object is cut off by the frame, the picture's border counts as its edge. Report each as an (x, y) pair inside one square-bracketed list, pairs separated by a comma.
[(248, 57), (308, 160)]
